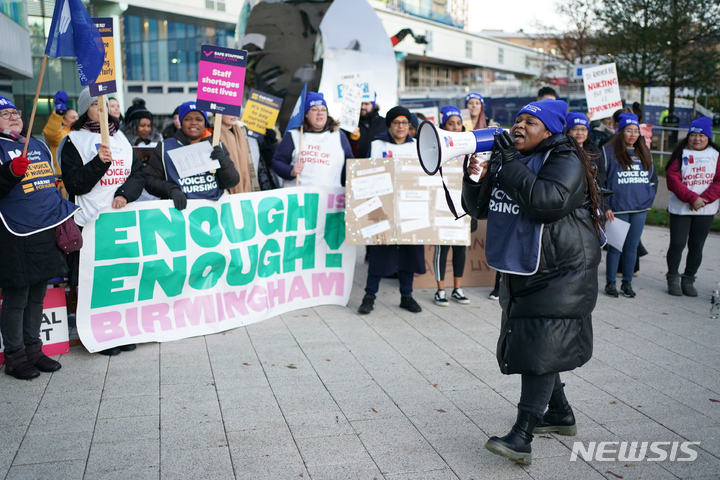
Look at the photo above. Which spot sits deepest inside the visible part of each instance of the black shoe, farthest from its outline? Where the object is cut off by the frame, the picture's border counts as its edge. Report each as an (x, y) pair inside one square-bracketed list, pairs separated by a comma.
[(516, 444), (17, 365), (559, 417), (495, 294), (128, 348), (110, 351), (611, 289), (626, 289), (367, 306), (459, 296), (408, 303)]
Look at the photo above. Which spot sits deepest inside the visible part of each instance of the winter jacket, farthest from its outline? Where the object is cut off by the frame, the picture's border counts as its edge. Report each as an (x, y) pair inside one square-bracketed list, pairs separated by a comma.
[(370, 127), (157, 183), (54, 132), (547, 316)]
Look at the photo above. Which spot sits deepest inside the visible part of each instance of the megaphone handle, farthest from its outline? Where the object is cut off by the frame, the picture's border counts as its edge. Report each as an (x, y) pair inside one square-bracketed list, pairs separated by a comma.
[(476, 178)]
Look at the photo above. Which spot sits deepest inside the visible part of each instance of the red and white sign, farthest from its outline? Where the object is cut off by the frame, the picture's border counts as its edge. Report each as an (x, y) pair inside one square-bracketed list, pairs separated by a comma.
[(54, 326), (602, 91)]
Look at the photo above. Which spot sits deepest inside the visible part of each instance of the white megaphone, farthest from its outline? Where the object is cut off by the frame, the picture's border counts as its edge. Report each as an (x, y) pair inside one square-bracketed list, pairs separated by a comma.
[(435, 147)]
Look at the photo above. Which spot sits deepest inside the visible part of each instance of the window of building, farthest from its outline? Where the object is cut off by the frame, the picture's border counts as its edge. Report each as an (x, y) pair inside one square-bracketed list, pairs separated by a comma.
[(15, 9), (176, 89), (135, 88), (501, 56), (428, 37), (468, 48)]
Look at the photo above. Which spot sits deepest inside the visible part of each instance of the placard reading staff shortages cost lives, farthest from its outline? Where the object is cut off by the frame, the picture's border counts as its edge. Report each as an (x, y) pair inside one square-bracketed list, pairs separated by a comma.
[(221, 77)]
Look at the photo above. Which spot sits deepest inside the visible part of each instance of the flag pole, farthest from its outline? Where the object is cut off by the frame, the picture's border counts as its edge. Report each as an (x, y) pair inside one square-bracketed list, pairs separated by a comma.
[(104, 127), (297, 179), (34, 109)]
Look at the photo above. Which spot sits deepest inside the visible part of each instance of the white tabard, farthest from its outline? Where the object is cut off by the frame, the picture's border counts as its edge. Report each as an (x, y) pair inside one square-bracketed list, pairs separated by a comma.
[(323, 159), (382, 149), (697, 172)]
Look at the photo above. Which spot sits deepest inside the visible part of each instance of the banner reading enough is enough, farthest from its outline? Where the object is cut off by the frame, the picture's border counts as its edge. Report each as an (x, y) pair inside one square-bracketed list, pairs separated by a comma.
[(149, 272)]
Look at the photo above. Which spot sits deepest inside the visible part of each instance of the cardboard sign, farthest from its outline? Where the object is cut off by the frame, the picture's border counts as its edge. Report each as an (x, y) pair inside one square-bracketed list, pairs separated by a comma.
[(261, 111), (221, 78), (602, 91), (54, 327), (351, 103), (105, 83), (151, 273), (431, 113), (392, 201)]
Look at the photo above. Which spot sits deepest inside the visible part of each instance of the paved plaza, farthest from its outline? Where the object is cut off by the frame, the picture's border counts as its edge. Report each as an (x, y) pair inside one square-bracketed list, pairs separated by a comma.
[(324, 393)]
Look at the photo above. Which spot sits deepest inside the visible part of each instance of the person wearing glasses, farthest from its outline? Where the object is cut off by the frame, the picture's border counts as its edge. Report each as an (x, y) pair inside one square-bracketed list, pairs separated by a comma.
[(324, 149), (388, 260), (31, 207), (631, 175)]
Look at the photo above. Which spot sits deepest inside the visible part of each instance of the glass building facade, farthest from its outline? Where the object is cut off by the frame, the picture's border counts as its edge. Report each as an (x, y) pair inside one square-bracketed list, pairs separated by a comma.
[(166, 51), (15, 9)]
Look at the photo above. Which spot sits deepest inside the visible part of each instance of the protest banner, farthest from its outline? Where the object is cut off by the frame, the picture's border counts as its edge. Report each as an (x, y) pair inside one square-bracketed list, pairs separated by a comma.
[(54, 326), (392, 201), (602, 91), (221, 79), (106, 81), (261, 111), (151, 273), (350, 112)]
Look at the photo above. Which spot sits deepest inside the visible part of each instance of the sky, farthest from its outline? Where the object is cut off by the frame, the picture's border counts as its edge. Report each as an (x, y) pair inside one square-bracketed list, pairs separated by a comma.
[(513, 15)]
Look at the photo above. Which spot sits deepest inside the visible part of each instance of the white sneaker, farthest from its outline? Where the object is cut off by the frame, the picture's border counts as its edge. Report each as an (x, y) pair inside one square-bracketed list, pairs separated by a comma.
[(441, 299), (459, 296)]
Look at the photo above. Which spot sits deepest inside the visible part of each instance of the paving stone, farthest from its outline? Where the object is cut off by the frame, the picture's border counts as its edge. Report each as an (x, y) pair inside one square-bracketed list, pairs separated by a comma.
[(48, 471)]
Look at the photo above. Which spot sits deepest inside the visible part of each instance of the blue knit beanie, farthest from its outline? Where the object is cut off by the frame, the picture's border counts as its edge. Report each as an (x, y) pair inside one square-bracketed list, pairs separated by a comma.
[(188, 107), (550, 112), (448, 111), (6, 103), (625, 119), (313, 99), (574, 119), (699, 125), (470, 96)]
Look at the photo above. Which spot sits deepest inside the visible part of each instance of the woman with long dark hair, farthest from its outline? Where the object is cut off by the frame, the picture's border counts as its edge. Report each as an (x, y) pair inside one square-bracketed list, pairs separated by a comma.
[(632, 177), (543, 235), (693, 178), (577, 126)]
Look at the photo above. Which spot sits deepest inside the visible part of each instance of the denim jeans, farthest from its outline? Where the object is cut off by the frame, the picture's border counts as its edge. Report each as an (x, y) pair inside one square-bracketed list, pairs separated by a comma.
[(406, 282), (629, 251), (536, 392)]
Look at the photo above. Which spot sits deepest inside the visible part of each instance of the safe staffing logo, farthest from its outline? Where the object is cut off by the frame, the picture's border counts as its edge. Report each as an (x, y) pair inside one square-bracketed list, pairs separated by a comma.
[(634, 451)]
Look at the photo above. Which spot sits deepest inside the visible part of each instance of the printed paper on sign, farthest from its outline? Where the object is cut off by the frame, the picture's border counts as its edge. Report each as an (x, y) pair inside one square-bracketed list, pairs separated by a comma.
[(372, 186), (413, 225), (616, 232), (367, 207), (193, 159), (376, 229), (458, 234), (370, 171), (413, 210), (415, 195), (350, 112)]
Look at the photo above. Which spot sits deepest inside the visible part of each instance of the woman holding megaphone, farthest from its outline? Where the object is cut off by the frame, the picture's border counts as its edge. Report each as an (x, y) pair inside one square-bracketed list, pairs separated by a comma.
[(541, 202)]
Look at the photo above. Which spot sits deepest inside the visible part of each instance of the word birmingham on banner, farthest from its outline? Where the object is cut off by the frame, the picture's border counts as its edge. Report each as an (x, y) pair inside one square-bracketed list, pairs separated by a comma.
[(151, 273)]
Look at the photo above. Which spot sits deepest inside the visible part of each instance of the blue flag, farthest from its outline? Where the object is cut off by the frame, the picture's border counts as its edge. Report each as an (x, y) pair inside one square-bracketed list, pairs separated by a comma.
[(298, 113), (73, 34)]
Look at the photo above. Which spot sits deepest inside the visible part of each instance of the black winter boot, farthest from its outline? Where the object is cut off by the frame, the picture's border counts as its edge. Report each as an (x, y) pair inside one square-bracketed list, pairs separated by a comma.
[(368, 304), (559, 417), (516, 444), (686, 283), (673, 282), (36, 357), (17, 365)]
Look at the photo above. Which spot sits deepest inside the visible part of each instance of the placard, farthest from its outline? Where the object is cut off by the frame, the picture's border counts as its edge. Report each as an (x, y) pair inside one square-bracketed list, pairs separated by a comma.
[(393, 201), (221, 78), (193, 159), (261, 111), (106, 81), (602, 91), (350, 112), (363, 80), (54, 327)]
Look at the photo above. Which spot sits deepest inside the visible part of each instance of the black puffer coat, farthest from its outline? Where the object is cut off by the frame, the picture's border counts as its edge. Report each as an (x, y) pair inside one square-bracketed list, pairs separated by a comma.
[(547, 317)]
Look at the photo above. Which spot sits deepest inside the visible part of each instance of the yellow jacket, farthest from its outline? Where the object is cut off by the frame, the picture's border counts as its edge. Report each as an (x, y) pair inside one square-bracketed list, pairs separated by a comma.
[(54, 132)]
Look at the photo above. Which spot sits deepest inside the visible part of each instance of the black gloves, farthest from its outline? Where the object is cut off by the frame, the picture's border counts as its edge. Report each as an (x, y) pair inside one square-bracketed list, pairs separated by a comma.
[(178, 198), (217, 153), (270, 136), (504, 147)]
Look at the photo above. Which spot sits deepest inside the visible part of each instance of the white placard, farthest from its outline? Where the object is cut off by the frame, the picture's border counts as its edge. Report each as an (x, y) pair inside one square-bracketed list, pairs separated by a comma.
[(412, 168), (602, 91), (616, 232), (413, 210), (458, 234), (369, 171), (412, 225), (431, 113), (376, 229), (367, 207), (415, 195), (350, 111), (363, 80), (446, 222), (193, 159), (372, 186), (441, 202), (435, 181)]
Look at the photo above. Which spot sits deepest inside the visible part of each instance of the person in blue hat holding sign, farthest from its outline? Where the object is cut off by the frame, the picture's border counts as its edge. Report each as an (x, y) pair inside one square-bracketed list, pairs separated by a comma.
[(543, 235)]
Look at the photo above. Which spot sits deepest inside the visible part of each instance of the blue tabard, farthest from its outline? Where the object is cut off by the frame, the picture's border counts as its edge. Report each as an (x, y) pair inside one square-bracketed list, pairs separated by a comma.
[(633, 190), (202, 185), (35, 204), (513, 240)]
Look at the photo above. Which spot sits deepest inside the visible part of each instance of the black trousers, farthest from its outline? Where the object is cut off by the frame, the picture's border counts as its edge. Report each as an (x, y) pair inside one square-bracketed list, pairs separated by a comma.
[(440, 260), (536, 392), (21, 315), (690, 230)]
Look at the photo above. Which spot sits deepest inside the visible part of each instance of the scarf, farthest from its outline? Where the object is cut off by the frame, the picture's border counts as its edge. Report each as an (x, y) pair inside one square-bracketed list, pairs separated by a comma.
[(94, 127), (236, 142), (12, 135)]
